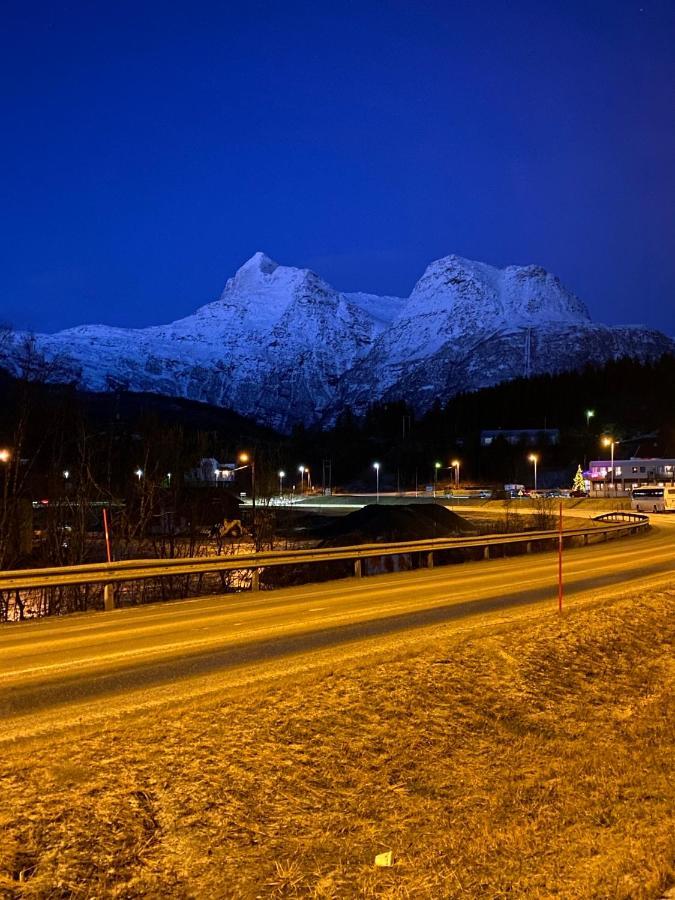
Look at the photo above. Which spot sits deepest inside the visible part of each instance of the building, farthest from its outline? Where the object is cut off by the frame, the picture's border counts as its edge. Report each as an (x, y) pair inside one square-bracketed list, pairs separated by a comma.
[(531, 437), (629, 473), (211, 472)]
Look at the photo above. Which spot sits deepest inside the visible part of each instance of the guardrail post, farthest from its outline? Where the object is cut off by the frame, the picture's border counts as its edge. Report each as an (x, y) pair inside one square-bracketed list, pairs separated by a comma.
[(108, 597), (430, 559), (255, 579), (357, 568), (486, 552), (528, 547)]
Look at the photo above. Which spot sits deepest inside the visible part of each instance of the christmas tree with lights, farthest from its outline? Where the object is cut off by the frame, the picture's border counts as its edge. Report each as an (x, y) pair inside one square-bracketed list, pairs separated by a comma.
[(579, 485)]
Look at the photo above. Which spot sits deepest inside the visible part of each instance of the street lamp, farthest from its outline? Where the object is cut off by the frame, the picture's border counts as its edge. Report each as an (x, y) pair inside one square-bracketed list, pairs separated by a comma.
[(589, 415), (66, 474), (376, 466), (455, 464), (246, 459), (437, 466), (5, 456), (301, 470), (609, 442), (139, 473), (534, 459), (282, 475)]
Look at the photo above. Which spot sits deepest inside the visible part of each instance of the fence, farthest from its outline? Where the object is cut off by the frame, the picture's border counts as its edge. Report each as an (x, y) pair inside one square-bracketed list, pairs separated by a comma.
[(108, 574)]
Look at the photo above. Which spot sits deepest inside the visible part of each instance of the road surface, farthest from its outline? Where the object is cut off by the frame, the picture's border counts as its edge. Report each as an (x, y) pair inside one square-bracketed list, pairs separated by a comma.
[(77, 669)]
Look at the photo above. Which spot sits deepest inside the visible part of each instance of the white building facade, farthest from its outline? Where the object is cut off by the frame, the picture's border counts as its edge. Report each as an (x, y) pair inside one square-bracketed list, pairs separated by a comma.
[(627, 474)]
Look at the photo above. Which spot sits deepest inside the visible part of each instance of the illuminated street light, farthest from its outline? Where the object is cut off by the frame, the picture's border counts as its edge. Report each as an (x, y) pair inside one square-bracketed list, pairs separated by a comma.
[(534, 459), (139, 473), (66, 474), (5, 456), (301, 470), (246, 459), (282, 475), (609, 442), (437, 466), (376, 466), (589, 415), (455, 464)]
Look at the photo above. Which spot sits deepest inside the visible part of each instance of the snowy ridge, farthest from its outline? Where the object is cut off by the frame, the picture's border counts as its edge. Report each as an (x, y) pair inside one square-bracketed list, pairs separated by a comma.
[(283, 346)]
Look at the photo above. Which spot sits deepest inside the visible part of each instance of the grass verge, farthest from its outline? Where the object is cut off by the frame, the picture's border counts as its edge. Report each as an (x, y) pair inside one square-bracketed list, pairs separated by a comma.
[(533, 761)]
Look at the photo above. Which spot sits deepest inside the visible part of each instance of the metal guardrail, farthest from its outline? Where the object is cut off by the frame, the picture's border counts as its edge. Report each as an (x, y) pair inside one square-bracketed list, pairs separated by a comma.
[(621, 515), (139, 569)]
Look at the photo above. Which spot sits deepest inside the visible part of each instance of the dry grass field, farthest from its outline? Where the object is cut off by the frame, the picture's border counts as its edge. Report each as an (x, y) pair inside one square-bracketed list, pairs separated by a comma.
[(526, 760)]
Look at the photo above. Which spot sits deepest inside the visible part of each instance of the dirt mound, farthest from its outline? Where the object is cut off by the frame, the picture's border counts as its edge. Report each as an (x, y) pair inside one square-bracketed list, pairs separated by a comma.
[(384, 523)]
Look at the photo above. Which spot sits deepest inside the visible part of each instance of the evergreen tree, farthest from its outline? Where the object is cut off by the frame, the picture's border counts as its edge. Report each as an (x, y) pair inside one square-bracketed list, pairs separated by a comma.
[(579, 484)]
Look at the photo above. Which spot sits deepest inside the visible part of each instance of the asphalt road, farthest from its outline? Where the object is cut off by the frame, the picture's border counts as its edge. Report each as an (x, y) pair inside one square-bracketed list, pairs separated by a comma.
[(55, 673)]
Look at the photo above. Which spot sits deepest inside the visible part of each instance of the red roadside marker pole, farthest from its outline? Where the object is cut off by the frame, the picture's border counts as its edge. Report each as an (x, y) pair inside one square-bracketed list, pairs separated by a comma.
[(108, 594), (107, 533), (560, 559)]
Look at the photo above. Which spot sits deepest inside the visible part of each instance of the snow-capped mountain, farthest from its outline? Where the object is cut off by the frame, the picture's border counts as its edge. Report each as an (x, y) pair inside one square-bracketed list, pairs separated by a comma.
[(468, 325), (284, 347)]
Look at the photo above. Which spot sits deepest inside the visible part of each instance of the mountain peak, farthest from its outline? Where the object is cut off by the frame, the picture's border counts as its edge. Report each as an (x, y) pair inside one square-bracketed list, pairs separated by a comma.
[(476, 294), (255, 274), (259, 264)]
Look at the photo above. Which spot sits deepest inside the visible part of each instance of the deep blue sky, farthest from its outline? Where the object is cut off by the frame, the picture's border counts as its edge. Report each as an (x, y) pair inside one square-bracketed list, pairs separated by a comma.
[(150, 148)]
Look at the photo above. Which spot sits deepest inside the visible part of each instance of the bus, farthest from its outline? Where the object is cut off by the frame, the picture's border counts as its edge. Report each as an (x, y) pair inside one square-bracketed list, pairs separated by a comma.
[(653, 499)]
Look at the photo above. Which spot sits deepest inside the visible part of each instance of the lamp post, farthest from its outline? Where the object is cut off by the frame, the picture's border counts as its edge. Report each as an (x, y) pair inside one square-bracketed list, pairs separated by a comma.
[(247, 459), (589, 415), (455, 465), (301, 470), (376, 466), (282, 475), (437, 466), (139, 473), (534, 459), (5, 457), (609, 442)]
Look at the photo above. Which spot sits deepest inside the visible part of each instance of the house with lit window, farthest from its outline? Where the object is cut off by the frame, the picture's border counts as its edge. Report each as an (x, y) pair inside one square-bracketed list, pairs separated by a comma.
[(530, 437), (625, 474), (211, 472)]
